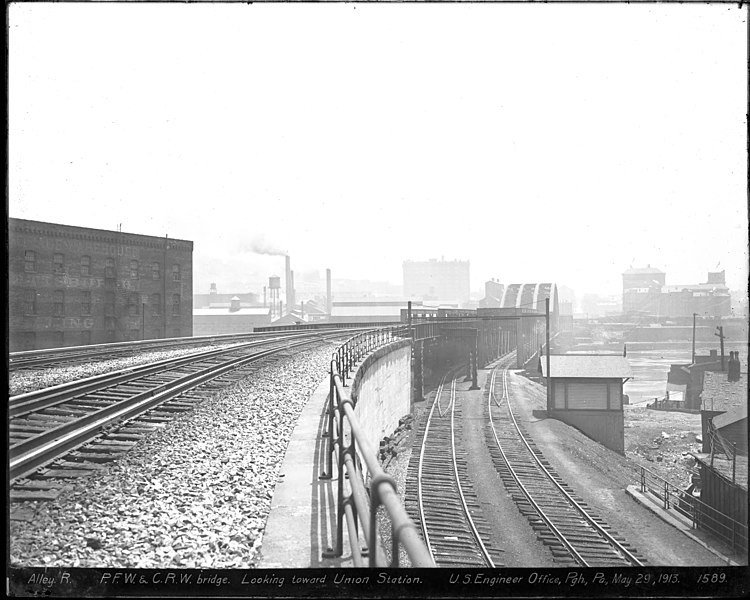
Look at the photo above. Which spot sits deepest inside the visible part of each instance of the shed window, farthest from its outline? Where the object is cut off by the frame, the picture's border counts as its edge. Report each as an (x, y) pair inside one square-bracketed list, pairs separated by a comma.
[(175, 272), (155, 270)]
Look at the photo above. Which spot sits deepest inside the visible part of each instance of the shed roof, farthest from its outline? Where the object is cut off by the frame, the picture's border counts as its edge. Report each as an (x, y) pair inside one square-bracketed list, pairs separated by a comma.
[(723, 467), (720, 394), (731, 416), (599, 366)]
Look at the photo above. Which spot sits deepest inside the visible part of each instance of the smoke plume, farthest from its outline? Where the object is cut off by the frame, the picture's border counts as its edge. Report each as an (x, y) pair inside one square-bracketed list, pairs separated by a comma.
[(259, 244)]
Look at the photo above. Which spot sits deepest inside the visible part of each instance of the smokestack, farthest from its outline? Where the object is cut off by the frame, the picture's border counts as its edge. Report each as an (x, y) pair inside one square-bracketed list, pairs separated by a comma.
[(328, 291), (264, 296), (288, 281), (290, 301)]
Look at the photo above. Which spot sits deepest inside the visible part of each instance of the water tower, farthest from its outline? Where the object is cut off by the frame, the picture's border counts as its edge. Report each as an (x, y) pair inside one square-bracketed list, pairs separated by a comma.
[(274, 284)]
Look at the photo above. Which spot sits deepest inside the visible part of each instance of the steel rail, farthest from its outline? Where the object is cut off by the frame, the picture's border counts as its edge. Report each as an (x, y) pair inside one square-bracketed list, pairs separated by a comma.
[(29, 402), (601, 531), (485, 552), (29, 358), (420, 494), (30, 454)]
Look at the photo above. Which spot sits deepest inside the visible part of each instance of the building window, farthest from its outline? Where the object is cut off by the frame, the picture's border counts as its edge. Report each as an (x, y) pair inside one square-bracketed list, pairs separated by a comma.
[(58, 263), (29, 261), (58, 303), (133, 301), (175, 304), (29, 302), (85, 266), (175, 272), (133, 269), (109, 304), (85, 303), (109, 268), (155, 271), (155, 305)]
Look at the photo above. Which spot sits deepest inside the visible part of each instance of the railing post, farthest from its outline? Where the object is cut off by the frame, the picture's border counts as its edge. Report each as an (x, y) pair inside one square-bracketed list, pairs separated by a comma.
[(328, 474), (666, 496)]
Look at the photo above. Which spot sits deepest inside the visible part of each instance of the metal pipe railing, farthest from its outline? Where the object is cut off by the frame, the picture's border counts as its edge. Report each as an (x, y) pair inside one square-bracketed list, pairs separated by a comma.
[(347, 441), (701, 514)]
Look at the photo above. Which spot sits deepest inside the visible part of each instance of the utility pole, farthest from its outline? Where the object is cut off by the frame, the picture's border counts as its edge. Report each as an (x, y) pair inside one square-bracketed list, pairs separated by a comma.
[(720, 335), (546, 320), (693, 361)]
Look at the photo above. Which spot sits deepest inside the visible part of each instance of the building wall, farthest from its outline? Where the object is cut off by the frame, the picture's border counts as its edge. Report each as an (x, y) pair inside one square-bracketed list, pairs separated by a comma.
[(437, 280), (71, 286), (605, 427)]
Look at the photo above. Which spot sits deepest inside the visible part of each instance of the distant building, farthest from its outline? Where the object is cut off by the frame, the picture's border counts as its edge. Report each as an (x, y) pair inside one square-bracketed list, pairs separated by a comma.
[(71, 286), (641, 289), (367, 312), (234, 318), (434, 279), (644, 292)]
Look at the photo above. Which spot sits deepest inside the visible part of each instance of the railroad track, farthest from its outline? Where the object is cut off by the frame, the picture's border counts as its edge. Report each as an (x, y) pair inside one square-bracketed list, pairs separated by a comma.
[(453, 527), (59, 438), (575, 535), (57, 357)]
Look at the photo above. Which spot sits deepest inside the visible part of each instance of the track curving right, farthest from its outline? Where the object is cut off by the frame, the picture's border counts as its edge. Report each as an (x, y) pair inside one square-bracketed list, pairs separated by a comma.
[(574, 534)]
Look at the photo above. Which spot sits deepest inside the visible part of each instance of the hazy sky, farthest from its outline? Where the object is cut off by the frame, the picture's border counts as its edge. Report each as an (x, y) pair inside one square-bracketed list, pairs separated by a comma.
[(541, 142)]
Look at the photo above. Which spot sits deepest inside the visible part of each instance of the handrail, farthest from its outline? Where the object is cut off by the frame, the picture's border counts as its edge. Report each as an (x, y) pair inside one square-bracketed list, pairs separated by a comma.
[(348, 442), (702, 515)]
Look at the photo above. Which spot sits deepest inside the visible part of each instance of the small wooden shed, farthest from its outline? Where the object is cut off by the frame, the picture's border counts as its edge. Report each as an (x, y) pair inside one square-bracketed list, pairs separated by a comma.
[(586, 392)]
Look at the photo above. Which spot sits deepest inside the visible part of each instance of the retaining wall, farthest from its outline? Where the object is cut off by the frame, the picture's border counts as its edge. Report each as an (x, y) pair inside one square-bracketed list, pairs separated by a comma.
[(381, 390)]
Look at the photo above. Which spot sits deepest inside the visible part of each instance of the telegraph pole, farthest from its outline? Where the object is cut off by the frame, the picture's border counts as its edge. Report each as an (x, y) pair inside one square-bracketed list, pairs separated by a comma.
[(546, 321), (720, 335), (693, 361)]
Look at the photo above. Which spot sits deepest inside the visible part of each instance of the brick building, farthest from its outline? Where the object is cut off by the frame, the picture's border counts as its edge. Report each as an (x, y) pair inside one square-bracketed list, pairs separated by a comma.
[(70, 286)]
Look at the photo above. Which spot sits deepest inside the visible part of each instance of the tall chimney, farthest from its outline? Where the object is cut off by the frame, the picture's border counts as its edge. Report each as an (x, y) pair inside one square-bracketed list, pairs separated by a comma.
[(328, 291), (289, 284), (264, 296), (290, 301)]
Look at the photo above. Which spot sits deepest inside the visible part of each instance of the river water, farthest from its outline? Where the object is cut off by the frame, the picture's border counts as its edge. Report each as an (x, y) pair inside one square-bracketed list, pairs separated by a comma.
[(650, 367)]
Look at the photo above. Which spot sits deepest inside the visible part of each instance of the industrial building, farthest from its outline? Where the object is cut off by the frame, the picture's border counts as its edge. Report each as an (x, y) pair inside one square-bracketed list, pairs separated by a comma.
[(441, 280), (234, 318), (70, 286), (644, 292)]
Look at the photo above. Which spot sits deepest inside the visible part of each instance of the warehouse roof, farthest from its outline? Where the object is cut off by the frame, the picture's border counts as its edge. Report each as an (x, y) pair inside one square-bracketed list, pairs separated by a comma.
[(224, 312), (599, 366), (720, 394)]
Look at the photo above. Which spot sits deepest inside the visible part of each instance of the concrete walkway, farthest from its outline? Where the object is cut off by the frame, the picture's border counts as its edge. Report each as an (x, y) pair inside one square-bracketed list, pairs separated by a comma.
[(301, 524)]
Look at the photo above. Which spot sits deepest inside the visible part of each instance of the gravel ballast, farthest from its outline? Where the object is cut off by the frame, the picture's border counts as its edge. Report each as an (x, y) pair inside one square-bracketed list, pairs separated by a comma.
[(29, 380), (195, 494)]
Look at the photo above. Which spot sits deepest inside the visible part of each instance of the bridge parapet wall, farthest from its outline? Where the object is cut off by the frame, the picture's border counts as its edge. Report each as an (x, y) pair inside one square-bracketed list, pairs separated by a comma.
[(381, 390)]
